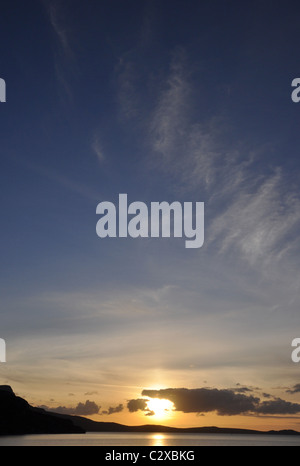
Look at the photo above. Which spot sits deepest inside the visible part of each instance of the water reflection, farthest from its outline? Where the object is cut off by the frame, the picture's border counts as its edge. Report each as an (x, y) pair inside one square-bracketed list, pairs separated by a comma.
[(158, 440), (111, 439)]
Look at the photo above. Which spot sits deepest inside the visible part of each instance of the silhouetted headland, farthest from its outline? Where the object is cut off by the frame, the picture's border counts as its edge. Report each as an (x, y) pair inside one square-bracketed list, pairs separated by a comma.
[(17, 417)]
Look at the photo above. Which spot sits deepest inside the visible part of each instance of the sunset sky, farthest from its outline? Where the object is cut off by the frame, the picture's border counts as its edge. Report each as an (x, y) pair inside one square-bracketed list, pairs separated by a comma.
[(164, 100)]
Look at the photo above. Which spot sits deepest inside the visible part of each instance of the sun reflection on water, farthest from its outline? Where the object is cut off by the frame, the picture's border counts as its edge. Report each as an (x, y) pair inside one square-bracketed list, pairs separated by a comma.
[(158, 440)]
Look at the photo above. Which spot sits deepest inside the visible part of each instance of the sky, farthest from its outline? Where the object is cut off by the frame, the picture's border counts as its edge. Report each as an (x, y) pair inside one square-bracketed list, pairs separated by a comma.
[(186, 101)]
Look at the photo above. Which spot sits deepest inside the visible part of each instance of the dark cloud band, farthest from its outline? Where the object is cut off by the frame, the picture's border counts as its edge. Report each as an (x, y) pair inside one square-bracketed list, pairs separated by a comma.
[(225, 402)]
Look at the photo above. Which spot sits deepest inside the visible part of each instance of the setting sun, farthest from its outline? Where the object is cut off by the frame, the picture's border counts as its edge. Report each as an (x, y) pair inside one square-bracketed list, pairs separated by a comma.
[(160, 407)]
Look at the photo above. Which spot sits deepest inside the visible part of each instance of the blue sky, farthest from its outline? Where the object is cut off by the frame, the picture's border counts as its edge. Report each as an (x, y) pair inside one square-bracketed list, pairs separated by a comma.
[(186, 101)]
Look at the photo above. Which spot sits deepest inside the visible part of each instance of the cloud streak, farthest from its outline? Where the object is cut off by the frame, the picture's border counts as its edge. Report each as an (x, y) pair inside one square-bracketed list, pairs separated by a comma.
[(65, 64), (169, 121), (54, 11), (97, 148)]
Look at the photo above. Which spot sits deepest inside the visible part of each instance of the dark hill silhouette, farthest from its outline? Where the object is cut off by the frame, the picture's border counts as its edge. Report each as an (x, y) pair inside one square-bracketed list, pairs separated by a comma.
[(17, 417), (93, 426)]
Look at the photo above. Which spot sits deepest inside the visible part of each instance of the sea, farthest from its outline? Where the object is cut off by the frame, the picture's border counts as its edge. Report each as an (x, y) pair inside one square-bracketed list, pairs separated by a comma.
[(150, 440)]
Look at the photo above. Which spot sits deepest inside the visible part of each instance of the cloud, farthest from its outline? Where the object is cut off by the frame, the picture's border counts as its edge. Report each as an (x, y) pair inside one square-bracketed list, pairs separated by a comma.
[(136, 405), (89, 407), (140, 404), (242, 390), (259, 222), (113, 410), (252, 212), (222, 401), (57, 21), (295, 389), (82, 409), (278, 406), (97, 148), (168, 127), (133, 75), (65, 63), (203, 400), (187, 147)]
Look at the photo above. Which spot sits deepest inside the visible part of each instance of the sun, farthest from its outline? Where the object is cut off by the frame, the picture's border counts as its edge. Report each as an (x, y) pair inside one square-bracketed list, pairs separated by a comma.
[(160, 408)]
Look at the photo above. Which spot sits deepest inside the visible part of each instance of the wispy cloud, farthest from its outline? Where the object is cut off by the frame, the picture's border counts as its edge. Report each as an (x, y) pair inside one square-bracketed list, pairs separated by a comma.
[(259, 223), (251, 211), (97, 147), (192, 149), (57, 21), (168, 128), (65, 65)]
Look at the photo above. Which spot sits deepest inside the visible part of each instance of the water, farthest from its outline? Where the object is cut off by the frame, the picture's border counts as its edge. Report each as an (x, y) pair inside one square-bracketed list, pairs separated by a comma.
[(150, 439)]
